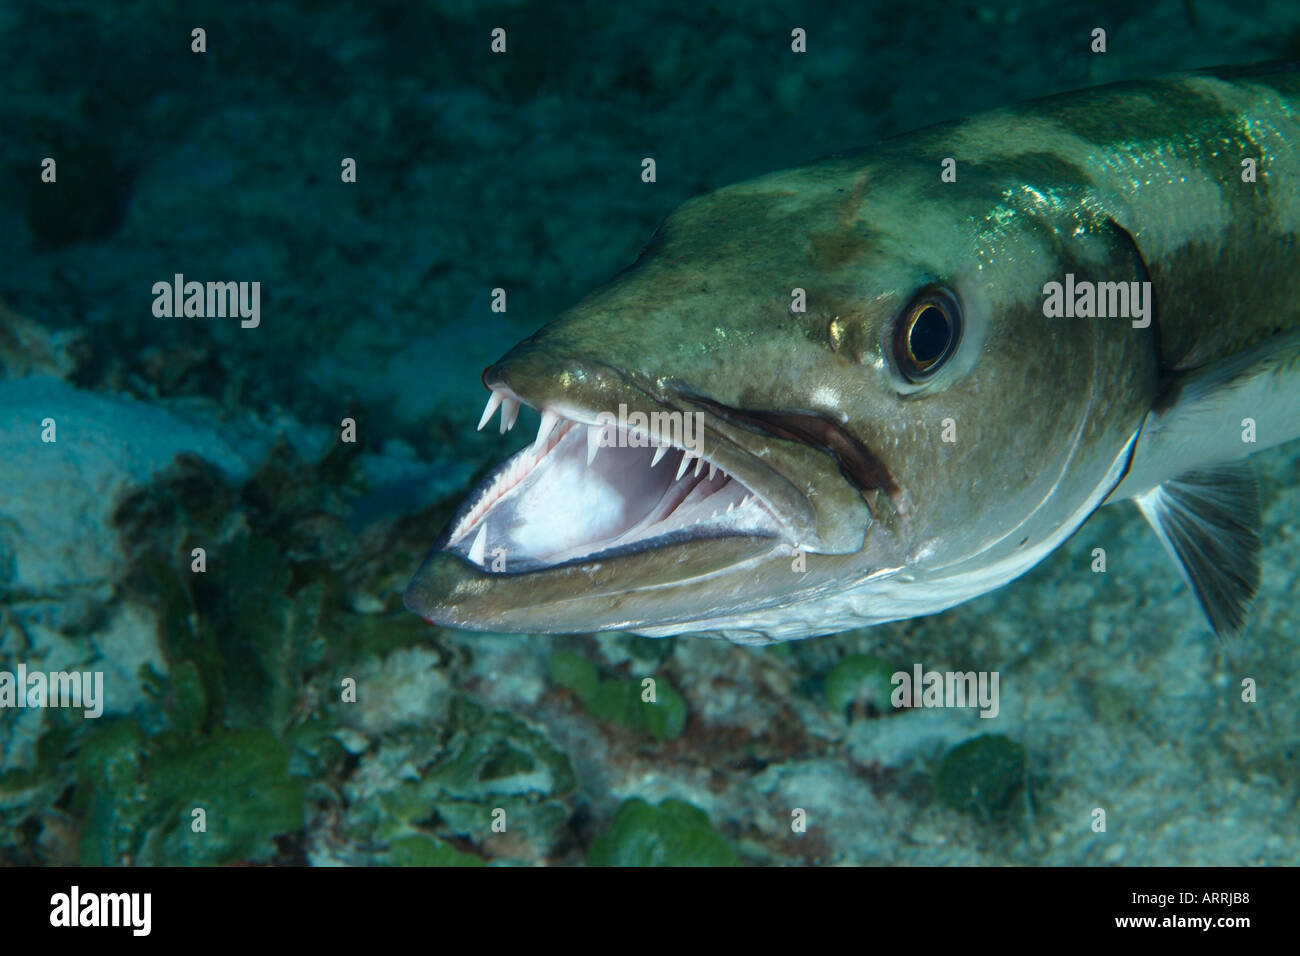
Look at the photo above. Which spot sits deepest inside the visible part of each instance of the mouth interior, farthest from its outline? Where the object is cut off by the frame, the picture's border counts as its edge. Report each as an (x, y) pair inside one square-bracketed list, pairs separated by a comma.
[(580, 490)]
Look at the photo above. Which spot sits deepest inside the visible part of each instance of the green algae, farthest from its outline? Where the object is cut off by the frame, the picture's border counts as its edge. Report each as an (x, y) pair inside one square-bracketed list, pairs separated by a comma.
[(185, 699), (239, 781), (622, 701), (265, 637), (983, 775), (574, 672), (112, 794), (422, 850), (860, 683), (672, 833), (137, 798), (244, 717)]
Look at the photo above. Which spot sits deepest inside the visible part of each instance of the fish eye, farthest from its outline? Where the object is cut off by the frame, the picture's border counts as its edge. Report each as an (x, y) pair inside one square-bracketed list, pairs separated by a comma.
[(927, 333)]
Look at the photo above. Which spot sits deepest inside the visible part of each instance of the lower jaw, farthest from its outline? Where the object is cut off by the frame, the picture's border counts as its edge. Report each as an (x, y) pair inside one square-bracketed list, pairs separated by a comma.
[(680, 582)]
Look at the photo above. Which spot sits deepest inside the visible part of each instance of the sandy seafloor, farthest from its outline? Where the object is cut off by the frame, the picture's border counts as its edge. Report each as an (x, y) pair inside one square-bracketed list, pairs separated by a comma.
[(522, 172)]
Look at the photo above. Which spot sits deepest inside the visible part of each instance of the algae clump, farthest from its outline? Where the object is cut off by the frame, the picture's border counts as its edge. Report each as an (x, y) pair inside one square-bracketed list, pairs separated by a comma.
[(673, 833), (622, 700), (860, 680), (983, 775), (138, 799)]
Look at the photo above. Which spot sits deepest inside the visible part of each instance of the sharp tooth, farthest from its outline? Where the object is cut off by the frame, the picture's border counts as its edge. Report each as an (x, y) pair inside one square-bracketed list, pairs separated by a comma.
[(730, 506), (744, 501), (509, 412), (549, 421), (493, 404), (686, 461), (713, 470), (659, 455), (479, 548), (699, 466), (593, 442)]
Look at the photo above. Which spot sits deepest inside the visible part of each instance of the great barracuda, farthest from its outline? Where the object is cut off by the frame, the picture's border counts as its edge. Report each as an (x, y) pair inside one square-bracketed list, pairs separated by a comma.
[(897, 413)]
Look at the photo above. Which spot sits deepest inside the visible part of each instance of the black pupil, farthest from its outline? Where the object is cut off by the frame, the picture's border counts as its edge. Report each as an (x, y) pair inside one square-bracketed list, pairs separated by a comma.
[(928, 339)]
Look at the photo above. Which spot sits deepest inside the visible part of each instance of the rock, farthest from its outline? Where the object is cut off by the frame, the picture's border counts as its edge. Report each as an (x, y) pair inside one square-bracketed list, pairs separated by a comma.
[(55, 529)]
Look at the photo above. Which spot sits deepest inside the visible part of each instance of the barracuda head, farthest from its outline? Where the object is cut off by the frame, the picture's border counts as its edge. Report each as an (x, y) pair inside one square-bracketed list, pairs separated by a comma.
[(722, 453)]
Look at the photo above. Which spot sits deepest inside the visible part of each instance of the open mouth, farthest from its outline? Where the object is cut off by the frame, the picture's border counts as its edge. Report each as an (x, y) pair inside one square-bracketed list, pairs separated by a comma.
[(587, 488)]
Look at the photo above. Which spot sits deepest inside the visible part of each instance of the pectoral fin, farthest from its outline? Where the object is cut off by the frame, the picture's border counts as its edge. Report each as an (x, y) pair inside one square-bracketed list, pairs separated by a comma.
[(1190, 476), (1209, 522), (1219, 412)]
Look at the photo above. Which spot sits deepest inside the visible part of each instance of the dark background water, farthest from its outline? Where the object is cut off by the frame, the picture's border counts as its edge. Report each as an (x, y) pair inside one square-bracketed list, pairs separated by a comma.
[(475, 170)]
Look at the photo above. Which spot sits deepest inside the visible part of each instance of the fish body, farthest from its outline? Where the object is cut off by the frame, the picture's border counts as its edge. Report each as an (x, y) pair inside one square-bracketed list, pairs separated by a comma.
[(913, 372)]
